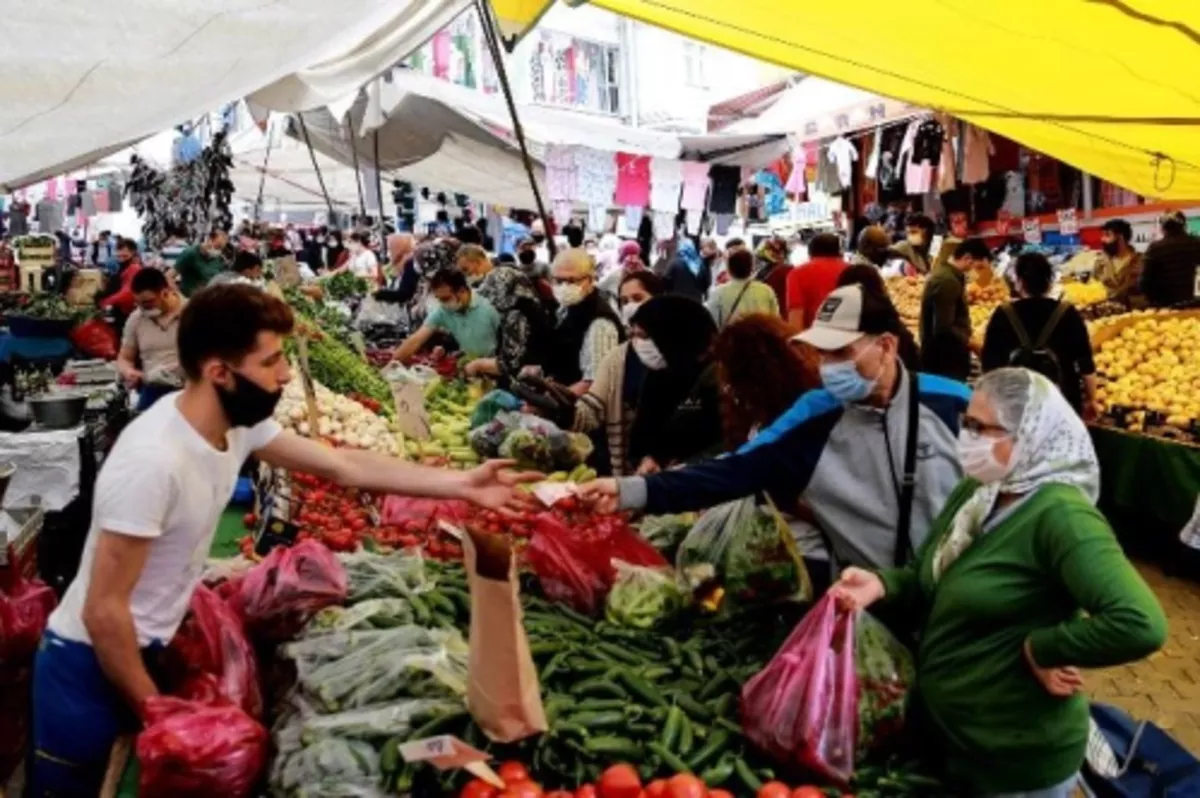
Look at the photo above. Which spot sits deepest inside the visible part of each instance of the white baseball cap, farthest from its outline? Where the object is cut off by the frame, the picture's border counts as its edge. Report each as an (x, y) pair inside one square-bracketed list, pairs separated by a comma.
[(845, 316)]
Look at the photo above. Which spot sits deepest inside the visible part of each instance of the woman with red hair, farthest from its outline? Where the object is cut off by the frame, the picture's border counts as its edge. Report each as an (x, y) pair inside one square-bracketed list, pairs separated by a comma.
[(746, 350)]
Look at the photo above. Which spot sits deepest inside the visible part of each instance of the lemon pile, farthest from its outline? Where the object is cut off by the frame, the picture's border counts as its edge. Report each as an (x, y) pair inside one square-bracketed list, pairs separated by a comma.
[(1153, 365), (1083, 294), (906, 293)]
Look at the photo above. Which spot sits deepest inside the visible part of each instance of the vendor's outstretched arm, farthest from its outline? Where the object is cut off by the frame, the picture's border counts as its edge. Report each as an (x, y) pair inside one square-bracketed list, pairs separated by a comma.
[(783, 467), (107, 616), (413, 343), (492, 484)]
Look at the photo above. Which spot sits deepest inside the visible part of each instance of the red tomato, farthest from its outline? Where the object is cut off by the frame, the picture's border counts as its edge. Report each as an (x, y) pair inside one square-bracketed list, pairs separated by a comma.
[(249, 520), (560, 794), (585, 791), (478, 788), (619, 781), (513, 771), (685, 785), (720, 794), (807, 791), (774, 789), (521, 789), (656, 788)]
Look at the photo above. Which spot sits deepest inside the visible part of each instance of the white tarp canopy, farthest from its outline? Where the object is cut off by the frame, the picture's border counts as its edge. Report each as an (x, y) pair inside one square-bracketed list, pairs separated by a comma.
[(290, 180), (81, 79)]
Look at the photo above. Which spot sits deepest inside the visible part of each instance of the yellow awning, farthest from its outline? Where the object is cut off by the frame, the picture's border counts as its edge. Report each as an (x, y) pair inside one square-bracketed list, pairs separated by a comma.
[(516, 17), (1109, 86)]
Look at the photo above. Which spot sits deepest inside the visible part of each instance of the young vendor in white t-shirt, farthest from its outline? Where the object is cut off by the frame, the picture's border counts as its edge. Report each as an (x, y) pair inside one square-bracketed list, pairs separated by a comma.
[(158, 498)]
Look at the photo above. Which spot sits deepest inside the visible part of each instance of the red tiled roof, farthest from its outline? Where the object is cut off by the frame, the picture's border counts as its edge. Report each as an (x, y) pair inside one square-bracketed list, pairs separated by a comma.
[(729, 111)]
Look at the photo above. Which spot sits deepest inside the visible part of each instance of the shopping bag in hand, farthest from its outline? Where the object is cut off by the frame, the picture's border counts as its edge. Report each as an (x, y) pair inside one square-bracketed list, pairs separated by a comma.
[(575, 565), (742, 554), (280, 595), (833, 692), (190, 748), (212, 642)]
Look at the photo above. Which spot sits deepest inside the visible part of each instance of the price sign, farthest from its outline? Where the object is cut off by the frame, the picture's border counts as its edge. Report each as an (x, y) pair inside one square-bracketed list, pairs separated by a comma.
[(1032, 230), (411, 416), (1068, 222), (446, 752)]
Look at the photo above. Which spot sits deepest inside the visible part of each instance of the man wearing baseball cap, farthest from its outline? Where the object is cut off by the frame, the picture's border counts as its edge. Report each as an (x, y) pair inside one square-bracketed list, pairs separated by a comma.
[(843, 450), (1171, 266)]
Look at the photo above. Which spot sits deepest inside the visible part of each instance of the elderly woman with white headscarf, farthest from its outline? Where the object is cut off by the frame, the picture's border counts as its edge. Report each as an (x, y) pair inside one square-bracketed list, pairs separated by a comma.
[(1019, 583)]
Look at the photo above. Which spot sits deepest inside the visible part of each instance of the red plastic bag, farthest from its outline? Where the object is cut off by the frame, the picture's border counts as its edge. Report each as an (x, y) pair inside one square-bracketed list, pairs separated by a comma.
[(190, 748), (278, 596), (95, 338), (575, 565), (211, 641), (25, 606), (834, 691), (402, 509)]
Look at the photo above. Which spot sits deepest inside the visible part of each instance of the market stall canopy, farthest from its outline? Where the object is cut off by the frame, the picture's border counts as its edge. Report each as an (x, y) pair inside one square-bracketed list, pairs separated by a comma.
[(80, 79), (287, 177), (1106, 85)]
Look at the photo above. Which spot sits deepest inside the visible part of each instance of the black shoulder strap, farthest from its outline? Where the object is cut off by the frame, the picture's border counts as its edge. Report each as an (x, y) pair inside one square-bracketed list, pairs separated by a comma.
[(736, 302), (1048, 330), (1018, 327), (908, 483)]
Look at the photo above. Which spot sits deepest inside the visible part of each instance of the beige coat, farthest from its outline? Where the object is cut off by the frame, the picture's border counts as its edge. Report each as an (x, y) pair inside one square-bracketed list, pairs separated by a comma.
[(602, 404)]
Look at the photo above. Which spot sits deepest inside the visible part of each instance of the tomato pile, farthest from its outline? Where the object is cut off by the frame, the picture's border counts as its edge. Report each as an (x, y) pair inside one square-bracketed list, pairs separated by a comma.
[(622, 781)]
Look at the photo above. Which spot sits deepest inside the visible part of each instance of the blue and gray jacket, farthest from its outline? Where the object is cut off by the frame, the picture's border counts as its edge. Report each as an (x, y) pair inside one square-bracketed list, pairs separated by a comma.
[(845, 461)]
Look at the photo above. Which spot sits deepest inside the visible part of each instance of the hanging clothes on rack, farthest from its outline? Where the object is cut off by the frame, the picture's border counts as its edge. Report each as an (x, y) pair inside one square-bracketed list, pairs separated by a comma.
[(633, 180), (827, 181), (871, 170), (723, 197), (797, 186), (843, 155), (695, 186), (597, 180), (947, 175), (666, 181), (977, 152)]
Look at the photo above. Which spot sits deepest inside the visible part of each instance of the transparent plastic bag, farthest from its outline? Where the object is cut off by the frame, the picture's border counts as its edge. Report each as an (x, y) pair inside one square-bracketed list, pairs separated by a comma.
[(642, 597), (383, 613), (396, 575), (377, 723), (191, 749), (394, 665), (747, 552), (331, 767), (211, 641), (372, 312), (832, 693), (492, 404), (575, 565)]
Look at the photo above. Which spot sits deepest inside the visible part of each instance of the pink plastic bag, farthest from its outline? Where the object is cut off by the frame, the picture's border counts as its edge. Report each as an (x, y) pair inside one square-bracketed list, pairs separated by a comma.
[(211, 641), (401, 509), (25, 606), (189, 748), (575, 565), (278, 596), (834, 690)]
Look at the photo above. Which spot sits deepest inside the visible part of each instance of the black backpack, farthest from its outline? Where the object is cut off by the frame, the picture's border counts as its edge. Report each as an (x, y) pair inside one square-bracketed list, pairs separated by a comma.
[(1036, 356)]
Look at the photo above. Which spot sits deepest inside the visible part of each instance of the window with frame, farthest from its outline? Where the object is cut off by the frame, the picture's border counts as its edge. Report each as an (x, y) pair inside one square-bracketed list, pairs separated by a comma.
[(575, 73)]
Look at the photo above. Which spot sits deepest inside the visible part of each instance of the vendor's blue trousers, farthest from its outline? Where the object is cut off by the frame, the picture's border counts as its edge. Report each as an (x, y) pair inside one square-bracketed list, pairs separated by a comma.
[(149, 394), (77, 716)]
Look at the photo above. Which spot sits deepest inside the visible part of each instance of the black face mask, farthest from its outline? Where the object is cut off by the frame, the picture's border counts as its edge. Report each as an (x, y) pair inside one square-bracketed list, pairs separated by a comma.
[(538, 238), (248, 403), (527, 257), (1110, 248)]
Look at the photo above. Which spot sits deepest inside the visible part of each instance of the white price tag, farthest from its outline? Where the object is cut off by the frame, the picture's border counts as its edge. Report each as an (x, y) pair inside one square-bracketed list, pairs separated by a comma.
[(429, 748), (446, 752), (1068, 222), (411, 415), (1032, 230)]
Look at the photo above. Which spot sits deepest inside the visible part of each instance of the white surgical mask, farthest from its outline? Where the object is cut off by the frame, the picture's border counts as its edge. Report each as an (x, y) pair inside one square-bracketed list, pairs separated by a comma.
[(568, 294), (152, 313), (453, 306), (976, 455), (629, 309), (648, 353)]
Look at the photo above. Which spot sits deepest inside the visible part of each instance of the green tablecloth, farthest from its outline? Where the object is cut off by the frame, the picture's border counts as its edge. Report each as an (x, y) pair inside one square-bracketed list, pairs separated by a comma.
[(1148, 487)]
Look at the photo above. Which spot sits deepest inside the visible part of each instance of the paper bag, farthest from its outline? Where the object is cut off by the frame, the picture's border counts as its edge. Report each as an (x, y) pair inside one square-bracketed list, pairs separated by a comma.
[(503, 693)]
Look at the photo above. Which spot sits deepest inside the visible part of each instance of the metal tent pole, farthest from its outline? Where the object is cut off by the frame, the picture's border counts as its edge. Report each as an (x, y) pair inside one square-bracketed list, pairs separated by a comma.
[(262, 178), (379, 190), (317, 167), (362, 200), (492, 35)]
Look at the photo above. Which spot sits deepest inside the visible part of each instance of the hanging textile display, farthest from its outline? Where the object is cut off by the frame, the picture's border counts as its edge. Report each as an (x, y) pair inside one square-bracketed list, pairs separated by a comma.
[(695, 186), (191, 197)]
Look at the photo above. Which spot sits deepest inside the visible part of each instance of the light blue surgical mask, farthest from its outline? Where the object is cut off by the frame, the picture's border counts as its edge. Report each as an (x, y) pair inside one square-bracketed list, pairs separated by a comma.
[(843, 380)]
